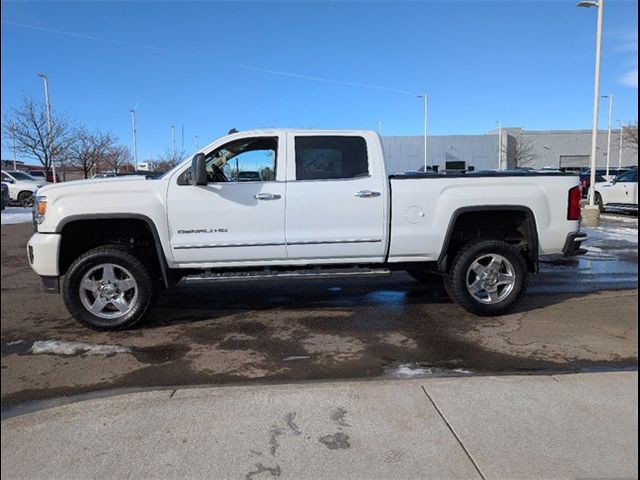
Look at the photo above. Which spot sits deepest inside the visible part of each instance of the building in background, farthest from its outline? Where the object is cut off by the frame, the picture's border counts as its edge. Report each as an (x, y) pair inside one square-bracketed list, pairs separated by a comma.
[(562, 149)]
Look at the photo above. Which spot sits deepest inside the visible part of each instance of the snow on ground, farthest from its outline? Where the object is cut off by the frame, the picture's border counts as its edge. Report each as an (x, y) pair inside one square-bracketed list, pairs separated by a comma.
[(59, 347), (12, 215), (624, 234)]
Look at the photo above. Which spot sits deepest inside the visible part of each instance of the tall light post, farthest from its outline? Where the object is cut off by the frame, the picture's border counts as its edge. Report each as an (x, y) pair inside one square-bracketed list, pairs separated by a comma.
[(13, 145), (620, 146), (49, 126), (591, 214), (426, 109), (134, 137), (610, 97), (173, 140), (499, 122)]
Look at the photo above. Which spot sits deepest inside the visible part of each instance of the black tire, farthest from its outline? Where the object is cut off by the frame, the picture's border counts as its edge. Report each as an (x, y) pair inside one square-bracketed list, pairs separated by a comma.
[(598, 200), (426, 277), (25, 199), (456, 279), (146, 288)]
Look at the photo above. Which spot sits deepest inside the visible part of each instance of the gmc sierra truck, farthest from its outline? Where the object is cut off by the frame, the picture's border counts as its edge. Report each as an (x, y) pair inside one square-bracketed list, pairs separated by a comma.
[(322, 204)]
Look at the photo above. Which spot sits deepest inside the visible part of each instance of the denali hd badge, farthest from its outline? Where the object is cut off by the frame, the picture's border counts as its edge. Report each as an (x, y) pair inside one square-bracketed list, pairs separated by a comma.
[(204, 230)]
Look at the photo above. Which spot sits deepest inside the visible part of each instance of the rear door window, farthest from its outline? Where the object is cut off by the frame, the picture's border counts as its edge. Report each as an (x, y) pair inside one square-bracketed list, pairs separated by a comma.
[(331, 158)]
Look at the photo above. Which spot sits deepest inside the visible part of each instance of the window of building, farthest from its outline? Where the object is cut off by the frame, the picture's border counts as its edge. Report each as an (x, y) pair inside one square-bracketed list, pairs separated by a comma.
[(327, 157)]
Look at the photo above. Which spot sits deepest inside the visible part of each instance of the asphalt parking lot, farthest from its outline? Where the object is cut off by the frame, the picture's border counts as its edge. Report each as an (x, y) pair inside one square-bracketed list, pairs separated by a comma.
[(579, 315)]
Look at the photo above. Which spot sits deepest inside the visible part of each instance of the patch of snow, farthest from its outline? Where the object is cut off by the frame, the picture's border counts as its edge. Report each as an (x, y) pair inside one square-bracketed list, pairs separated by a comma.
[(60, 347), (611, 233), (296, 357), (412, 370), (13, 215)]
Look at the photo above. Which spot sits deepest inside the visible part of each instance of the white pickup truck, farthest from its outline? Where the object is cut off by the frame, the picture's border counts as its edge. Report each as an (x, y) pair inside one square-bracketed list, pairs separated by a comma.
[(322, 204)]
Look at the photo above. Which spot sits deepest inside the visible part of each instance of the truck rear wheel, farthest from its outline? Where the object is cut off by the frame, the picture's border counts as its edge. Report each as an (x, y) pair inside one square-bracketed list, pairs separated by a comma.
[(488, 277), (108, 288)]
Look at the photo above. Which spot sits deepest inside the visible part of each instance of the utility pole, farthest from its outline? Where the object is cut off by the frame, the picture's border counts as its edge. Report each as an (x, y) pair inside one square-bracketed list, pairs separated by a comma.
[(173, 140), (620, 147), (196, 139), (610, 97), (182, 139), (134, 137), (49, 126), (499, 122), (379, 123), (13, 145), (426, 109)]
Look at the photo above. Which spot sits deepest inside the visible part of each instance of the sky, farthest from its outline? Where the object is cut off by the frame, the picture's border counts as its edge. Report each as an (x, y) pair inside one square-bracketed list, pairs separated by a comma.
[(207, 67)]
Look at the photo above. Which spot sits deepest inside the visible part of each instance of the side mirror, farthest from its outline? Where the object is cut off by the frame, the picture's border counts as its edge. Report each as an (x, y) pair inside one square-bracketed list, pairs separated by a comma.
[(198, 169)]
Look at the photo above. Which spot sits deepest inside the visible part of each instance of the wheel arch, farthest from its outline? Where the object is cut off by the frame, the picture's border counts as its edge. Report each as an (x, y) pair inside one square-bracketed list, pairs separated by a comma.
[(140, 219), (504, 211)]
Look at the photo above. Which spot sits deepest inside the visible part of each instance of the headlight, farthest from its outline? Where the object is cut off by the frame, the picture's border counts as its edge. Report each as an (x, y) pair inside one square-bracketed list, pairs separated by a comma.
[(39, 209)]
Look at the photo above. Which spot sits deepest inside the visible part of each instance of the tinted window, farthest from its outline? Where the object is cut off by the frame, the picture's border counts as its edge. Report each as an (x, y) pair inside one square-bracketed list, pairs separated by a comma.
[(630, 176), (246, 160), (321, 158)]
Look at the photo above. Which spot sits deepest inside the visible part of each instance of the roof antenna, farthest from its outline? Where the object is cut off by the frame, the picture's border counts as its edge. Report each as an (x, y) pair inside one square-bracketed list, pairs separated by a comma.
[(233, 130)]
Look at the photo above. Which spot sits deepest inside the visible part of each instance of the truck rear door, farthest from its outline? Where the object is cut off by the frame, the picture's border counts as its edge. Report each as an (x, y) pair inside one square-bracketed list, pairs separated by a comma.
[(337, 199)]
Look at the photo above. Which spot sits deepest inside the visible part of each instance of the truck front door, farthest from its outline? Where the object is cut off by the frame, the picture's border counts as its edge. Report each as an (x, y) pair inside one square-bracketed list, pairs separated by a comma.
[(238, 217), (336, 199)]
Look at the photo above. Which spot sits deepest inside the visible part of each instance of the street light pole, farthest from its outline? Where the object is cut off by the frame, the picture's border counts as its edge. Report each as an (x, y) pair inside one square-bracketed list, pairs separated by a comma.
[(499, 122), (610, 97), (592, 217), (134, 137), (620, 147), (426, 109), (49, 126), (173, 140), (13, 145)]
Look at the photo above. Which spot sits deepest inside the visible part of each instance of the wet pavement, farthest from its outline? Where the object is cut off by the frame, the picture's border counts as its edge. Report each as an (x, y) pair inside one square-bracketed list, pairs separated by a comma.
[(579, 315)]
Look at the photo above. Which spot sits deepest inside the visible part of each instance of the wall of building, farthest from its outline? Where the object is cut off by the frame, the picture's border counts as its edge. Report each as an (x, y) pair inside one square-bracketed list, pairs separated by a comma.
[(552, 148)]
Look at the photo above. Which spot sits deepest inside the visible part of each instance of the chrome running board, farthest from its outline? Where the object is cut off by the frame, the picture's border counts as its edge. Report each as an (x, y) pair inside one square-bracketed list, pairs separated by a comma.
[(268, 274)]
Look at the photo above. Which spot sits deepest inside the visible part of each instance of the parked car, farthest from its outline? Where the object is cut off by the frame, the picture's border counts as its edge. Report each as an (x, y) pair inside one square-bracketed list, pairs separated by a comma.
[(104, 175), (585, 181), (621, 193), (21, 186), (249, 176), (332, 210), (5, 195), (40, 173)]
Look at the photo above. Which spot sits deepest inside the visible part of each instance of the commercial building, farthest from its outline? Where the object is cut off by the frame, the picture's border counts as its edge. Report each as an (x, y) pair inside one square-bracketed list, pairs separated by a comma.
[(565, 149)]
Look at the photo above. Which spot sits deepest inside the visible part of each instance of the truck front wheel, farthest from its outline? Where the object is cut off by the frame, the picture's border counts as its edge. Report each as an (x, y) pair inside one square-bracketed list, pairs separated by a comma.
[(488, 277), (108, 288)]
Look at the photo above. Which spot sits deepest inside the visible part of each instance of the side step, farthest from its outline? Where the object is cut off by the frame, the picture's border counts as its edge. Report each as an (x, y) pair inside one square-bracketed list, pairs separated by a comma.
[(269, 274)]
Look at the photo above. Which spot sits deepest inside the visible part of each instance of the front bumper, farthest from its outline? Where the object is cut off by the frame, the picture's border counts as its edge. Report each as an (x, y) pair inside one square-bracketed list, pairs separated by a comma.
[(43, 251), (573, 244)]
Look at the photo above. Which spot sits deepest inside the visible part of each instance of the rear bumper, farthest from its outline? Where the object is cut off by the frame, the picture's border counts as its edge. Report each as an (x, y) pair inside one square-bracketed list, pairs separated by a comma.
[(573, 244)]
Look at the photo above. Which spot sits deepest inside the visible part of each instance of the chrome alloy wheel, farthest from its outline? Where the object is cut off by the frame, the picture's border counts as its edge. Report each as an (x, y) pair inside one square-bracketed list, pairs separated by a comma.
[(490, 278), (108, 291)]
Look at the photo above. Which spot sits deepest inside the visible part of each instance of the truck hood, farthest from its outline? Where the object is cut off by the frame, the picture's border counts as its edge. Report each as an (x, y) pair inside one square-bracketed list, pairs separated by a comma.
[(102, 183)]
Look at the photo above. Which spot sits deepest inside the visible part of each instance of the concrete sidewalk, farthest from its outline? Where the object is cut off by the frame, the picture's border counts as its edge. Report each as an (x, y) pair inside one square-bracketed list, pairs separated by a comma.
[(562, 426)]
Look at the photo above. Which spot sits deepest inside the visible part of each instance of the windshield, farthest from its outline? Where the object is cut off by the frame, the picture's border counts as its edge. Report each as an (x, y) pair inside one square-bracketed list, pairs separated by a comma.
[(21, 176)]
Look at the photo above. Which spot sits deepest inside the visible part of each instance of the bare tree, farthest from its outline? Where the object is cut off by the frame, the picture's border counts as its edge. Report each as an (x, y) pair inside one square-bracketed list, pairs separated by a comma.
[(167, 161), (117, 158), (520, 152), (630, 135), (28, 122), (88, 148)]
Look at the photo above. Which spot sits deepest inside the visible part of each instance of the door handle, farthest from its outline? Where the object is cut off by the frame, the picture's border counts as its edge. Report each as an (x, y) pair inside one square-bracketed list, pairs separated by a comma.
[(267, 196), (367, 194)]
